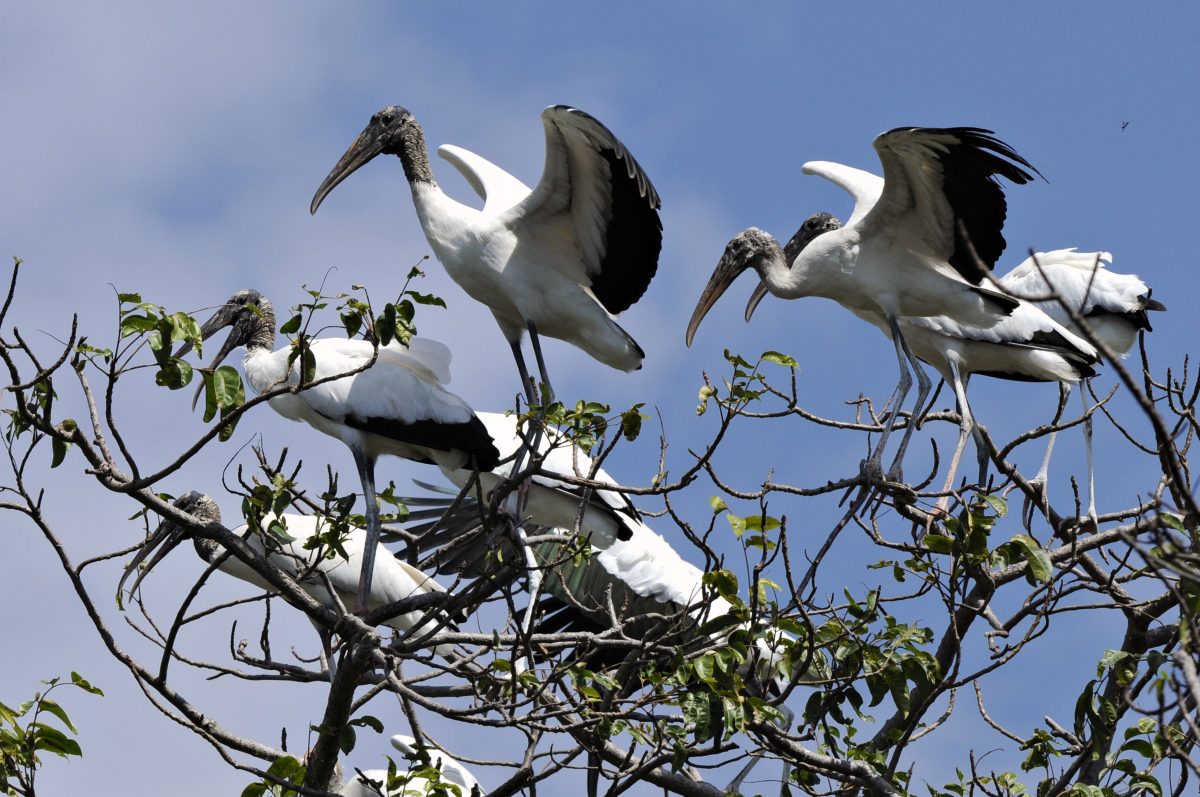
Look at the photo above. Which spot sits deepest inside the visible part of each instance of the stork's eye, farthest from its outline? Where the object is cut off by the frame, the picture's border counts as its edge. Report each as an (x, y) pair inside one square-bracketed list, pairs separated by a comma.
[(387, 117)]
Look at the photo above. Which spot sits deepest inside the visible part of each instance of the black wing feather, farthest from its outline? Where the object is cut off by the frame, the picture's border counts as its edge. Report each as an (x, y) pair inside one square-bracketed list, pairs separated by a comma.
[(633, 239)]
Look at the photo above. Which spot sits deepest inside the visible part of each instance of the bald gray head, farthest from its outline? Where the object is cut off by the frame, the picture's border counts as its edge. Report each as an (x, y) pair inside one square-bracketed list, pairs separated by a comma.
[(169, 533), (252, 318), (391, 131), (814, 226), (751, 248)]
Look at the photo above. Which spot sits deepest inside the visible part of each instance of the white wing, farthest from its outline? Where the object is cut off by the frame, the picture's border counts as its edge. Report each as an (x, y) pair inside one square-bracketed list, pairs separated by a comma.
[(391, 389), (392, 580), (862, 185), (1080, 278), (431, 355), (551, 501), (598, 206), (498, 189), (940, 194)]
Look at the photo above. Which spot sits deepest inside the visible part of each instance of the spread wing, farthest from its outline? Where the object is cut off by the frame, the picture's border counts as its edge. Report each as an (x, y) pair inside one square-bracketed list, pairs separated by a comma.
[(941, 194), (602, 205), (498, 189)]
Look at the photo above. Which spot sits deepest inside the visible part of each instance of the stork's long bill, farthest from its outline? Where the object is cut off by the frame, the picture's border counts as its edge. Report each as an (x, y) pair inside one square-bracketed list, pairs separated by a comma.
[(165, 537), (733, 262), (244, 320), (379, 136), (753, 248)]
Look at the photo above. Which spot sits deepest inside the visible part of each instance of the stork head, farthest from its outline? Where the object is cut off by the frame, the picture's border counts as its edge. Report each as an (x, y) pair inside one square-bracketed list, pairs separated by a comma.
[(817, 224), (203, 510), (748, 249), (252, 319), (389, 132)]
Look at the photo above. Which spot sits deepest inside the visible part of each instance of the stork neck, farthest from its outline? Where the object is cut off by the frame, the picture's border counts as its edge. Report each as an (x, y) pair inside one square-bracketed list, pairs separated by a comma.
[(206, 549), (783, 278), (264, 333), (414, 155)]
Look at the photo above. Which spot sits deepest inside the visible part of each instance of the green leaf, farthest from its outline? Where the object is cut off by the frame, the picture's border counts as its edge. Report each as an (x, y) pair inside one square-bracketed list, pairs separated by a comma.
[(1172, 521), (174, 374), (292, 326), (939, 543), (58, 451), (57, 710), (631, 423), (717, 503), (1038, 560), (998, 504), (227, 387), (82, 683), (52, 740), (368, 721), (780, 359), (426, 298)]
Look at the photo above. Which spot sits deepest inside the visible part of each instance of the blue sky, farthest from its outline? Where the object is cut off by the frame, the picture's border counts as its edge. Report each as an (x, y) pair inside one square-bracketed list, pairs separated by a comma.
[(174, 151)]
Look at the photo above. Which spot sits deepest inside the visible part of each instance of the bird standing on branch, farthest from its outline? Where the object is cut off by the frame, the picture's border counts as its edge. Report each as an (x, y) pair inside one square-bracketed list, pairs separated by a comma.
[(377, 400), (921, 243), (330, 579), (558, 260)]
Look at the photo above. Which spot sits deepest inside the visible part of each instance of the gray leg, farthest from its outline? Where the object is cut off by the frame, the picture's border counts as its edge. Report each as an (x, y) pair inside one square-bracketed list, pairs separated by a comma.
[(1040, 482), (965, 427), (924, 386), (526, 386), (1087, 445), (366, 472), (541, 362), (873, 464)]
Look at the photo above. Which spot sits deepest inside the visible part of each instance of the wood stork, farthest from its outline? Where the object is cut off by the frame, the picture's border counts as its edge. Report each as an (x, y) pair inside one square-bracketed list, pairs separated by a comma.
[(921, 243), (410, 778), (1114, 308), (558, 260), (638, 576), (330, 579), (1027, 345), (395, 406)]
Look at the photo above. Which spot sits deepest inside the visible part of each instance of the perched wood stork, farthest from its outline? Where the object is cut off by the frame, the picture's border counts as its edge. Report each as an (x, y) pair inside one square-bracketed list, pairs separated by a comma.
[(558, 260), (330, 579), (411, 774), (639, 576), (1114, 308), (396, 406), (921, 243), (1027, 345)]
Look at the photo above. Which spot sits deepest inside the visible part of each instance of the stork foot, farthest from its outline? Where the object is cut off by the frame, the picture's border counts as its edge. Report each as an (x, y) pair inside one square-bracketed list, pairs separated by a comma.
[(1030, 504)]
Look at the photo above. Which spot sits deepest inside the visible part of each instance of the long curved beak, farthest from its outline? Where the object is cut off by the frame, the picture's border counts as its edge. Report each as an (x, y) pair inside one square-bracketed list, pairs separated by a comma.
[(226, 316), (370, 142), (726, 272), (161, 542), (759, 292)]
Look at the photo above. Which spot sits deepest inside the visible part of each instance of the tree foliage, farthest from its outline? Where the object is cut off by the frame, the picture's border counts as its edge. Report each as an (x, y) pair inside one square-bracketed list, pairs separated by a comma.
[(945, 608)]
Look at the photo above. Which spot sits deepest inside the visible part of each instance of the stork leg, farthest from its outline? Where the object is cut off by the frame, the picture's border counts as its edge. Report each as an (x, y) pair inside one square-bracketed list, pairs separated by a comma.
[(519, 356), (872, 466), (1040, 482), (966, 426), (1087, 445), (536, 342), (366, 472), (735, 785), (327, 657), (516, 509), (924, 386)]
